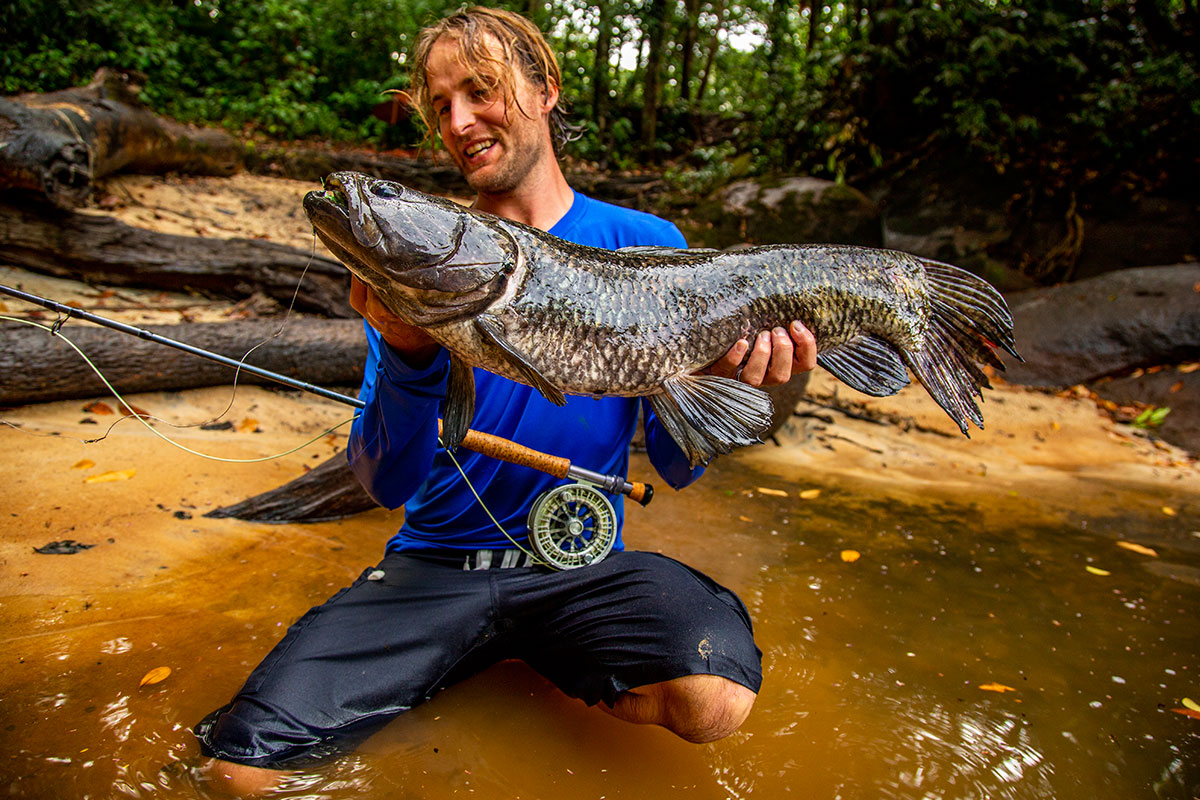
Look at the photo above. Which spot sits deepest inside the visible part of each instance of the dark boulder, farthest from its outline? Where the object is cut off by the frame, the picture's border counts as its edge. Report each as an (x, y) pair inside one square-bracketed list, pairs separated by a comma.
[(1106, 325), (1105, 330), (795, 210)]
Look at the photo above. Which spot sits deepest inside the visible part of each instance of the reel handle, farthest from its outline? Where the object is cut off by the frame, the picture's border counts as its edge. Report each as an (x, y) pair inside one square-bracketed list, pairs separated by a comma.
[(506, 450)]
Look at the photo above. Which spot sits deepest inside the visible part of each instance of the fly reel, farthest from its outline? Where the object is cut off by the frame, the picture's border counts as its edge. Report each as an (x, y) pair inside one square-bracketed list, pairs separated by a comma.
[(572, 526)]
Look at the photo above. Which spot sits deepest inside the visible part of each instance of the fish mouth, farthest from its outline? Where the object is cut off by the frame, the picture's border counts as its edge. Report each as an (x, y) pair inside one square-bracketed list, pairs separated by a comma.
[(337, 208)]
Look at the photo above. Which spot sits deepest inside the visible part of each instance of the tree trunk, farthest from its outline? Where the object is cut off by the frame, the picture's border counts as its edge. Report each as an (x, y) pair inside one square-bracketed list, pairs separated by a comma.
[(57, 144), (601, 76), (691, 27), (73, 245), (712, 52), (814, 23), (656, 22), (328, 492), (38, 367)]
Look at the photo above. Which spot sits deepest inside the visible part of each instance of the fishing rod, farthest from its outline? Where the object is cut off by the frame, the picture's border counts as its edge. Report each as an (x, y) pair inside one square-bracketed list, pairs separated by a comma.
[(482, 443)]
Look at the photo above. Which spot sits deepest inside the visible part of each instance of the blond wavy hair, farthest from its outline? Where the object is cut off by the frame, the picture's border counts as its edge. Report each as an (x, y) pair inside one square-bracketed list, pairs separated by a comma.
[(476, 30)]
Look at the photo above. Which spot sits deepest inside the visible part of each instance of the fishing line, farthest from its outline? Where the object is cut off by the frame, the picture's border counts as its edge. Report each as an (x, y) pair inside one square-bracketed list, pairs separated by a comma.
[(55, 330), (52, 330)]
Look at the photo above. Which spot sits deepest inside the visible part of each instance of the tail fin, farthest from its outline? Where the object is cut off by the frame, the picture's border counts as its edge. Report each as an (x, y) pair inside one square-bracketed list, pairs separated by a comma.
[(968, 319)]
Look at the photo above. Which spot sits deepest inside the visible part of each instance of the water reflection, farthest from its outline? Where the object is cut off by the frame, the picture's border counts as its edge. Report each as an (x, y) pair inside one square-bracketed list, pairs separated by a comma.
[(875, 667)]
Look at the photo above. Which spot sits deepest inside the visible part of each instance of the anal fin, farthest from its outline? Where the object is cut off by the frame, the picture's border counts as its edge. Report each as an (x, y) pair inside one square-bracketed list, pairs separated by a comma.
[(866, 363), (707, 415)]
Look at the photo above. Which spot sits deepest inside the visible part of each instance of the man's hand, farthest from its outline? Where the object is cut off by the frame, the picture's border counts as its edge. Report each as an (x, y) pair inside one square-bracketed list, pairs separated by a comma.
[(772, 360), (413, 344)]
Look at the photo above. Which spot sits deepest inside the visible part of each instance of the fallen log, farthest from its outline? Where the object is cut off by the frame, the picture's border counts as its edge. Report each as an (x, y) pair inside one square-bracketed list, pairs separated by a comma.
[(56, 144), (327, 492), (38, 367), (98, 248)]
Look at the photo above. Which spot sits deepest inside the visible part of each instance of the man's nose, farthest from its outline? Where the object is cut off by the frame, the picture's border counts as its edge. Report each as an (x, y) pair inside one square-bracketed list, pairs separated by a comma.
[(462, 117)]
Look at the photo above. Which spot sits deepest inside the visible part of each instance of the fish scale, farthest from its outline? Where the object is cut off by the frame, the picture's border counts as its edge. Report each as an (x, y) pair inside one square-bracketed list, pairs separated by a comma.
[(569, 319)]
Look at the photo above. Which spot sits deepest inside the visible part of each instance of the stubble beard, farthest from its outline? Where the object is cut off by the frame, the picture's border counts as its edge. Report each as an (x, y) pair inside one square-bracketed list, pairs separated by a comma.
[(507, 176)]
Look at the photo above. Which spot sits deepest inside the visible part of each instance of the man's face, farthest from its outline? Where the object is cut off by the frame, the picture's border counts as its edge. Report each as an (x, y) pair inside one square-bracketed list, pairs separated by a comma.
[(495, 144)]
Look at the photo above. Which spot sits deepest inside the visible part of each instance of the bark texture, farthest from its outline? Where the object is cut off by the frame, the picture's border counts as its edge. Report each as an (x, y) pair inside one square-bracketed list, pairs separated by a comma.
[(38, 367), (56, 144), (98, 248)]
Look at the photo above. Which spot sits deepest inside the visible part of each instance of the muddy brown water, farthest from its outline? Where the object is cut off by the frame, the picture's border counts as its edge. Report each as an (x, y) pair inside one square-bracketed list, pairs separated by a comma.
[(873, 666)]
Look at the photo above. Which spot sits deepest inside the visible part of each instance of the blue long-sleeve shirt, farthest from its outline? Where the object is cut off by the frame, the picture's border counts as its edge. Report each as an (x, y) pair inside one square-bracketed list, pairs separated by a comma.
[(393, 445)]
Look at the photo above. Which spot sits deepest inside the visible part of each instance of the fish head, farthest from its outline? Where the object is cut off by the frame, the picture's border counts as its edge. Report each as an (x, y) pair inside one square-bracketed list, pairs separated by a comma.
[(429, 259)]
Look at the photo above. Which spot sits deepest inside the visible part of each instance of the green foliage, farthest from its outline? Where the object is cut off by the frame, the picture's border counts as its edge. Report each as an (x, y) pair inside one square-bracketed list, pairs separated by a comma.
[(1151, 418), (1055, 94)]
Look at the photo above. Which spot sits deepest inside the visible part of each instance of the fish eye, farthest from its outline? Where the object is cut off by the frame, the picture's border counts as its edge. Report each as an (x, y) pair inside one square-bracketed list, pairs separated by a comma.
[(385, 190)]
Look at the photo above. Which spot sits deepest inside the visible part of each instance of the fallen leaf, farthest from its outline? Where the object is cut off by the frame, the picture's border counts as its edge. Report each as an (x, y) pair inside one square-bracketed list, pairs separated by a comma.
[(1176, 387), (851, 555), (156, 675), (85, 463), (1138, 548), (1054, 426), (996, 687), (1190, 703), (1187, 712), (133, 411), (3, 308), (772, 492), (1097, 570), (248, 425), (109, 477), (1170, 512), (744, 519), (810, 494), (1188, 369), (98, 407)]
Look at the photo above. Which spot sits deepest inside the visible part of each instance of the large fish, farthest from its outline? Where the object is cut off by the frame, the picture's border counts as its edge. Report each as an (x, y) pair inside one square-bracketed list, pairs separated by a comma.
[(568, 319)]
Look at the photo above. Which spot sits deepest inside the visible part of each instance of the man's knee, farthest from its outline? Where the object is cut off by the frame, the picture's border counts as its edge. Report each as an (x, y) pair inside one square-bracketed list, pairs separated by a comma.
[(698, 708), (239, 780)]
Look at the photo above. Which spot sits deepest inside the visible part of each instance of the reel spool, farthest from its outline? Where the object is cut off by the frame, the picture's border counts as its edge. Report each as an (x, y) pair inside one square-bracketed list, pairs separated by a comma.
[(572, 526)]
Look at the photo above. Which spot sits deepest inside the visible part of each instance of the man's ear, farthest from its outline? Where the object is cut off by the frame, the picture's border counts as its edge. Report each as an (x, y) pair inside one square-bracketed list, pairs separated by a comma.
[(549, 98)]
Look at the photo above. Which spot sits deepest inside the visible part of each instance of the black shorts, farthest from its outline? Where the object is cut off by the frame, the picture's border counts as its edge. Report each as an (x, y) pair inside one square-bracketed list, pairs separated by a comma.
[(390, 642)]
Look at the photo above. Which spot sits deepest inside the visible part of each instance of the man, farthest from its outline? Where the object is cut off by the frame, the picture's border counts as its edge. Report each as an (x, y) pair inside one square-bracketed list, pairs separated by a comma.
[(456, 590)]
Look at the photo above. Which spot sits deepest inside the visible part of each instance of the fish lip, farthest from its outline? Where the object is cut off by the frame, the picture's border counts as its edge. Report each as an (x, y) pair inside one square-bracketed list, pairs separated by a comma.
[(331, 199), (339, 208)]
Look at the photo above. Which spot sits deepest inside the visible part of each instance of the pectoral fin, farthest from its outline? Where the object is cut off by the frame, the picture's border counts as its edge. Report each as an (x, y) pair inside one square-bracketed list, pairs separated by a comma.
[(492, 332), (459, 408), (707, 415), (868, 364)]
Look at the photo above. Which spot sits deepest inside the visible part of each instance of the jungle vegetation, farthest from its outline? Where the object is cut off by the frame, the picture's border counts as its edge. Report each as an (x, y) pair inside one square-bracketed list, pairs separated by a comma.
[(1101, 96)]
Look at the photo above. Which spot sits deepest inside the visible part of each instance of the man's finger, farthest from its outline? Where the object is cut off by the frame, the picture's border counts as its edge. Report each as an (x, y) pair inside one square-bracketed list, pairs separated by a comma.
[(804, 354), (727, 366), (760, 357), (779, 370)]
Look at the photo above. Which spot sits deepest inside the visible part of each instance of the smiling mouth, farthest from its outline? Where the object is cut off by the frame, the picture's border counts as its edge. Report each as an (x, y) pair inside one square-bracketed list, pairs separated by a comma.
[(475, 149)]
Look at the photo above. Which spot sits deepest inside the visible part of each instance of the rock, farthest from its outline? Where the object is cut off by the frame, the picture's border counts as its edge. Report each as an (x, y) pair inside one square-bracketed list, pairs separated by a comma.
[(795, 210), (1168, 388), (1150, 230), (784, 399), (953, 213), (1106, 325)]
